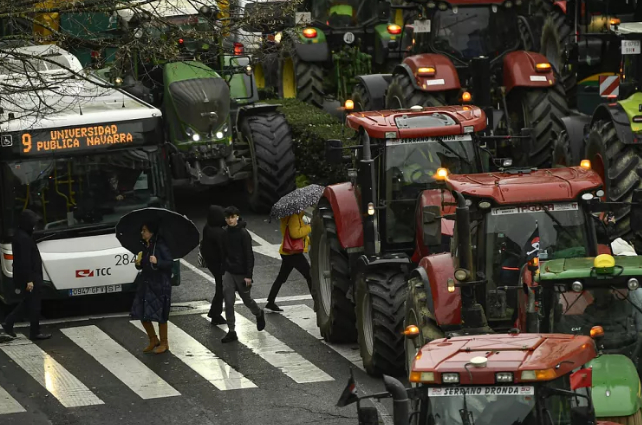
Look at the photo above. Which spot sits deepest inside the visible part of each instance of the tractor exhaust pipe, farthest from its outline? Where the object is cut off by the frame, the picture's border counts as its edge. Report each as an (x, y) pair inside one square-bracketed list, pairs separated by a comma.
[(463, 232), (401, 403), (367, 182), (480, 71)]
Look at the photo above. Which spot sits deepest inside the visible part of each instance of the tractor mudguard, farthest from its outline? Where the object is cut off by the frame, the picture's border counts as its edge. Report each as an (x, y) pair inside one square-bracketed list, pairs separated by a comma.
[(249, 110), (561, 5), (575, 127), (433, 197), (445, 78), (520, 71), (615, 378), (615, 113), (311, 49), (376, 86), (347, 216), (434, 272)]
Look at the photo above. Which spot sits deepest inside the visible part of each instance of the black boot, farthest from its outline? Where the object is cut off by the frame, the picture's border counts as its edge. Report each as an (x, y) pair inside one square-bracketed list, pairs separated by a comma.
[(230, 337), (9, 330), (218, 320), (271, 305)]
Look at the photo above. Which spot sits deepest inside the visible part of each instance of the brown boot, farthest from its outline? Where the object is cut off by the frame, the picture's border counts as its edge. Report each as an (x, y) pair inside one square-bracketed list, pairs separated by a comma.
[(164, 345), (151, 333)]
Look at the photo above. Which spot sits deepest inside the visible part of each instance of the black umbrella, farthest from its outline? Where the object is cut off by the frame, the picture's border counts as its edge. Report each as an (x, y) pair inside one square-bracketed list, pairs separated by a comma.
[(179, 232), (297, 200)]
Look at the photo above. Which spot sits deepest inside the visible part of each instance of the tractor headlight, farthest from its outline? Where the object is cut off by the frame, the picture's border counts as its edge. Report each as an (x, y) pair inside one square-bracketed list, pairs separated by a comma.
[(633, 284), (450, 378), (192, 134), (577, 286)]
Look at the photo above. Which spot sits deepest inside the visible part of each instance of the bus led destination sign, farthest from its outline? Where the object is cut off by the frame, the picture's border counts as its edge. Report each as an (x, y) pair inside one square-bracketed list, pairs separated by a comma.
[(79, 138)]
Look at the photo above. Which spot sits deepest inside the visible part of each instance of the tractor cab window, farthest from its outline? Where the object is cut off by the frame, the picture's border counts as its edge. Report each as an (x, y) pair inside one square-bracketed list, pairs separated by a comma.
[(577, 313), (469, 32), (342, 13), (410, 166), (513, 234)]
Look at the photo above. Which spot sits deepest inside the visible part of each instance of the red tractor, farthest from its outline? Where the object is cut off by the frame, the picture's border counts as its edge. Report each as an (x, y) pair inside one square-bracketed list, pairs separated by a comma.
[(461, 51), (369, 233), (502, 379)]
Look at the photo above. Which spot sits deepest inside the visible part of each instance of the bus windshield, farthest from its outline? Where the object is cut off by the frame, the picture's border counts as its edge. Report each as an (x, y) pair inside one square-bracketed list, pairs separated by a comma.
[(475, 31), (83, 191)]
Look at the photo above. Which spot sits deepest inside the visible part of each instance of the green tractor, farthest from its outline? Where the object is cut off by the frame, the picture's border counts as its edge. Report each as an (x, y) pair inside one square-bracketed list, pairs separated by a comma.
[(333, 42), (220, 134)]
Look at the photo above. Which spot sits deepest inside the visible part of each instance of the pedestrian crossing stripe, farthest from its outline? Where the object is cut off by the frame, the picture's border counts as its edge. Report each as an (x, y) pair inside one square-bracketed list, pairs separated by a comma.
[(144, 382)]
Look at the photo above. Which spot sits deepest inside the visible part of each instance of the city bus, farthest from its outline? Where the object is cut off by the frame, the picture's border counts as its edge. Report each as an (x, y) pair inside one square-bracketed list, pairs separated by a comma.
[(80, 155)]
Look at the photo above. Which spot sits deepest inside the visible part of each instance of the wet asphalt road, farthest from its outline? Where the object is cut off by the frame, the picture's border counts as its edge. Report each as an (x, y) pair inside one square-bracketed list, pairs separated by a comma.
[(78, 376)]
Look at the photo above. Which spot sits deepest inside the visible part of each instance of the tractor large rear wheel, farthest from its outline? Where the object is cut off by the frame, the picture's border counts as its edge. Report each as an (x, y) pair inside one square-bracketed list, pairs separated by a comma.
[(331, 279), (418, 314), (299, 79), (269, 139), (618, 165), (562, 151), (380, 298), (401, 94), (555, 34), (537, 109)]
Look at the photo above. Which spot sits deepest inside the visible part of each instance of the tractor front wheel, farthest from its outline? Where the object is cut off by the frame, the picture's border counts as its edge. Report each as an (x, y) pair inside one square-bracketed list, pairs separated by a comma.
[(537, 109), (380, 297), (269, 138), (299, 79), (331, 278), (562, 151), (401, 94), (618, 166)]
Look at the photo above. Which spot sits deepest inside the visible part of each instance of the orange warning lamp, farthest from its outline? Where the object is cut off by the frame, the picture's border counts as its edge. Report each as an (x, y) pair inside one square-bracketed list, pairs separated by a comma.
[(466, 97), (586, 164), (349, 105)]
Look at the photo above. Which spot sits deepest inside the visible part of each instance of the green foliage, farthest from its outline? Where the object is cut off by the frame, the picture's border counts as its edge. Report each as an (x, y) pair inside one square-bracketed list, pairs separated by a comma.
[(311, 127)]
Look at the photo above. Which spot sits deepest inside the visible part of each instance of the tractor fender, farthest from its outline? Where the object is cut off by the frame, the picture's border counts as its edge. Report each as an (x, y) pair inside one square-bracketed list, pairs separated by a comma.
[(376, 86), (254, 109), (347, 216), (615, 113), (520, 71), (575, 127), (445, 78), (614, 377), (433, 197), (434, 271), (561, 5)]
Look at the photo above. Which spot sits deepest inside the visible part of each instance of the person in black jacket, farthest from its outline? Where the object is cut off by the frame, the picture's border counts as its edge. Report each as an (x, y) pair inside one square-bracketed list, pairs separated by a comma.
[(239, 266), (27, 276), (213, 252)]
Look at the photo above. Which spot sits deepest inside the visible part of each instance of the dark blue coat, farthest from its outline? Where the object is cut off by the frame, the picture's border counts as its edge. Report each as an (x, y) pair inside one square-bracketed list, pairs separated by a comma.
[(154, 294)]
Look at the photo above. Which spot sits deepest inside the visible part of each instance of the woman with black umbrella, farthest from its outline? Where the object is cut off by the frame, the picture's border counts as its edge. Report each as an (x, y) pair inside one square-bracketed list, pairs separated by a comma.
[(154, 294)]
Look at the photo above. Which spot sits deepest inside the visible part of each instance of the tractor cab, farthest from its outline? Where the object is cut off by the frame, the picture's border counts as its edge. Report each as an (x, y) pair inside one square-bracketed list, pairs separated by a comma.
[(342, 15), (501, 379)]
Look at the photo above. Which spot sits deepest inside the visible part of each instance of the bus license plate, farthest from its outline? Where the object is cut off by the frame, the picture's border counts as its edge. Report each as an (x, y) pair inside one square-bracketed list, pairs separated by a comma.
[(108, 289)]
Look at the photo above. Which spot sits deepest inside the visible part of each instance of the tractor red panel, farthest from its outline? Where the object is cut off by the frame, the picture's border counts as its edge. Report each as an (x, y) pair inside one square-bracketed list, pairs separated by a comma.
[(562, 5), (347, 217), (439, 269), (445, 78), (432, 197), (379, 123), (546, 185), (520, 71), (505, 353)]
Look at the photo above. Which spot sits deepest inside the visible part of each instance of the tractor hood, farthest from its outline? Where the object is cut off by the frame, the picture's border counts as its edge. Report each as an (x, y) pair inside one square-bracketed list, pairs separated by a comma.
[(505, 353), (584, 268), (199, 96), (616, 386)]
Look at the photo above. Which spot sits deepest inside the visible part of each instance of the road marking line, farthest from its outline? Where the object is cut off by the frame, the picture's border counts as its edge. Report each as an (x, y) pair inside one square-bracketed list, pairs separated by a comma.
[(305, 318), (203, 361), (265, 248), (8, 404), (69, 391), (277, 353), (120, 362)]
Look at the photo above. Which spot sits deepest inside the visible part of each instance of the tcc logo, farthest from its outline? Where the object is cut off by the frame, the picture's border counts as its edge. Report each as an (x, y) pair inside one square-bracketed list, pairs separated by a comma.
[(105, 271)]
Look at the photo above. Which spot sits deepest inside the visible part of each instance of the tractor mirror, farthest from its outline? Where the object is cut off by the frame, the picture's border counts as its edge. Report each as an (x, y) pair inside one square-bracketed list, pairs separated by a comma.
[(334, 151), (636, 211), (432, 225), (581, 415)]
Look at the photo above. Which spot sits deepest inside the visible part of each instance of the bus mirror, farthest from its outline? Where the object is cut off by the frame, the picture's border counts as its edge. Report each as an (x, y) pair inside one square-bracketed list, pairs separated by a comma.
[(432, 225), (636, 211), (334, 151)]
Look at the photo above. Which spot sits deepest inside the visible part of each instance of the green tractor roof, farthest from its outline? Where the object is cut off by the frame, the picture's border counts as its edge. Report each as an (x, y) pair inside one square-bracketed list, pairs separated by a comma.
[(603, 270), (180, 71)]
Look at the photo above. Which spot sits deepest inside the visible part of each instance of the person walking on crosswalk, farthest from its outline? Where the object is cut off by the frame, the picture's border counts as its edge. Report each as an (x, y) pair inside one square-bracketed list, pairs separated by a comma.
[(27, 276), (239, 267), (154, 294), (297, 228), (213, 252)]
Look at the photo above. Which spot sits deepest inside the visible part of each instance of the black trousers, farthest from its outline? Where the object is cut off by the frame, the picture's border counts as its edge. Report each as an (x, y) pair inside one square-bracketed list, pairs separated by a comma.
[(290, 262), (29, 307), (217, 302)]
